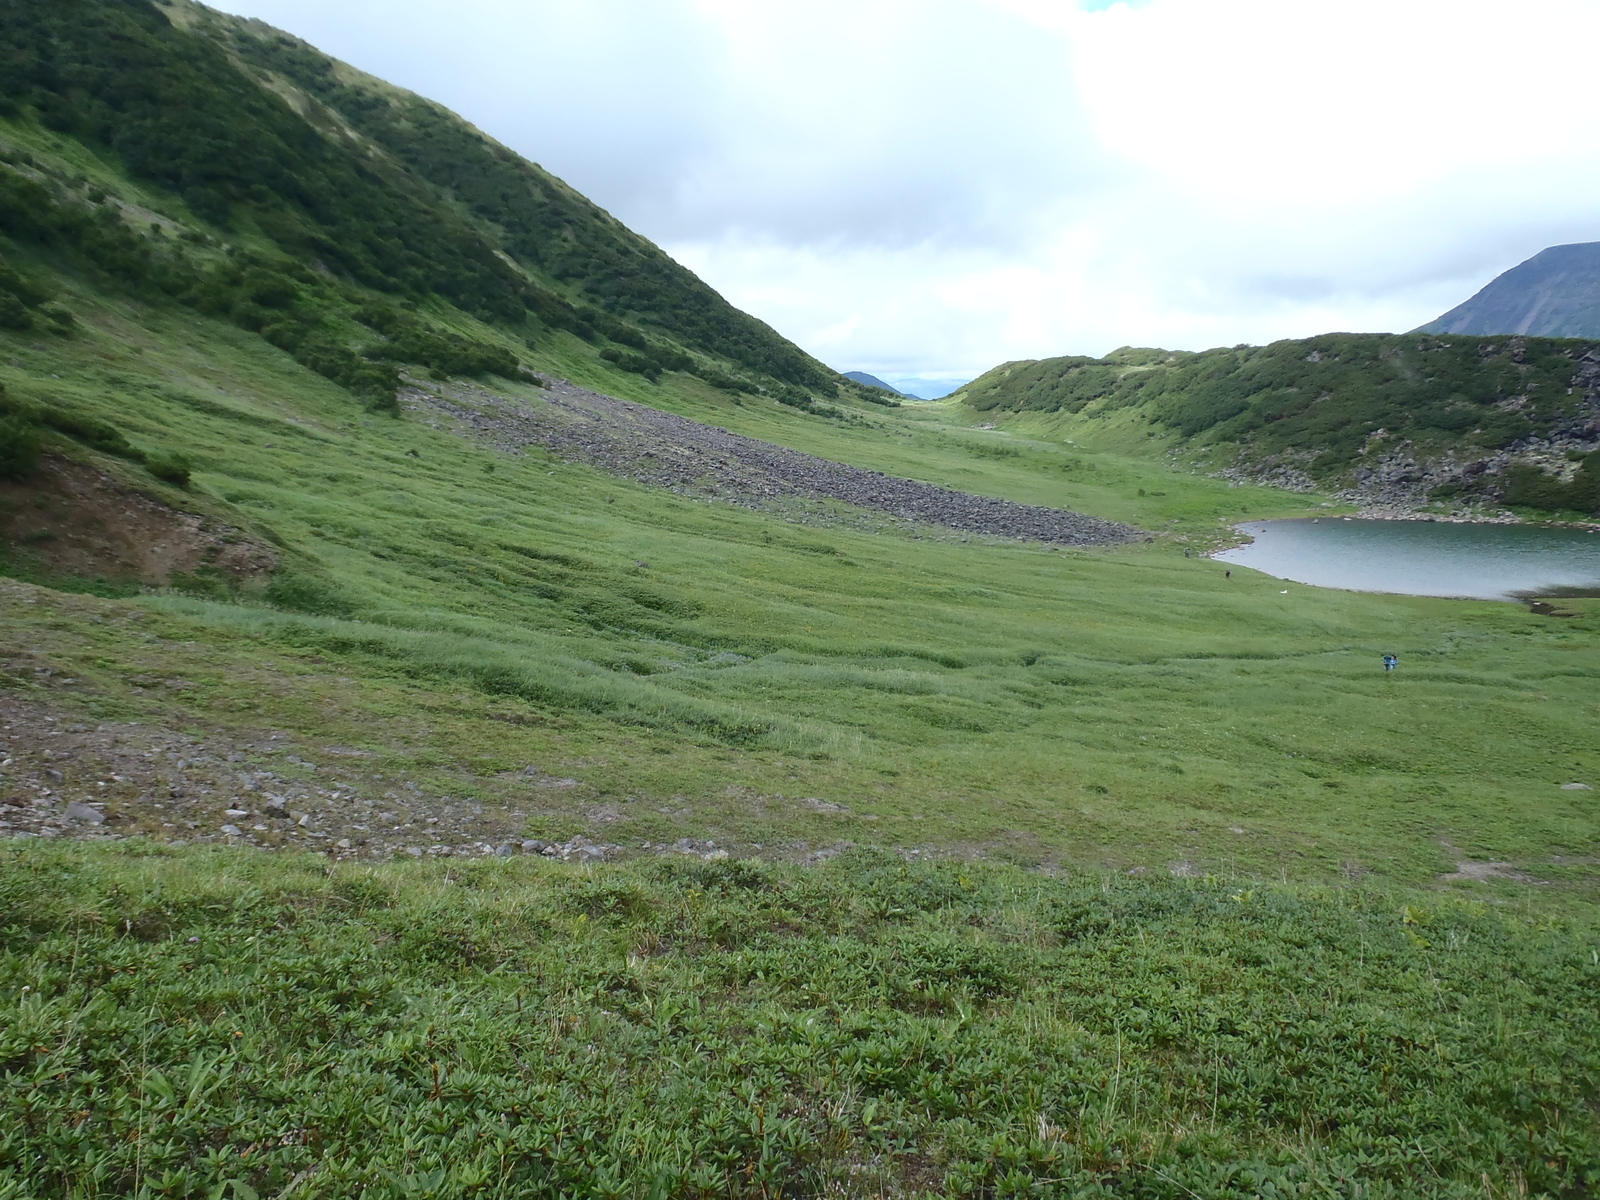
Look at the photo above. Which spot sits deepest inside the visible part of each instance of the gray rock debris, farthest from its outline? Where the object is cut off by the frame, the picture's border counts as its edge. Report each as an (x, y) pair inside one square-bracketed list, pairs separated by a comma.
[(582, 849), (579, 849), (707, 850), (673, 452)]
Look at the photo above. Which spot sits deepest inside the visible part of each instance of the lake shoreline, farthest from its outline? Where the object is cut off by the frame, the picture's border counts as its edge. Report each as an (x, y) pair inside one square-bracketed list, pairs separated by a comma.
[(1387, 513), (1519, 562)]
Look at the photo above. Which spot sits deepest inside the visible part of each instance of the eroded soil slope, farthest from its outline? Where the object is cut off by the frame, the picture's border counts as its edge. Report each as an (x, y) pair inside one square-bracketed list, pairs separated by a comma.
[(70, 520)]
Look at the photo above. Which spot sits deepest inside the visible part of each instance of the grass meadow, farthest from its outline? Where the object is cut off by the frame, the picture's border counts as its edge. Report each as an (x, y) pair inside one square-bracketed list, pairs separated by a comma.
[(1184, 934), (1113, 707)]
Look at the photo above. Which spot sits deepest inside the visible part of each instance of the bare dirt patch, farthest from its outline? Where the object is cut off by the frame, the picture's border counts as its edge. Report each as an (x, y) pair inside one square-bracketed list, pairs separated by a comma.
[(71, 520), (1484, 872)]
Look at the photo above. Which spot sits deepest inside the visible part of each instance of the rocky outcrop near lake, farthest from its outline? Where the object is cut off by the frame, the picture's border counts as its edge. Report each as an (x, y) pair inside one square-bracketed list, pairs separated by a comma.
[(1394, 477), (1391, 420)]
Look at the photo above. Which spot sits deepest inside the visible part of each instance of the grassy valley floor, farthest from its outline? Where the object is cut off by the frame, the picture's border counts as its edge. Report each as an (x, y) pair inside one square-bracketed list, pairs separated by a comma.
[(1089, 871), (396, 808)]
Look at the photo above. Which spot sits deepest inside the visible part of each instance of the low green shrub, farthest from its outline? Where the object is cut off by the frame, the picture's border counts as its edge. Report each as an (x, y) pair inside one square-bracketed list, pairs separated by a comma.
[(205, 583), (90, 431), (58, 319), (200, 1022), (298, 592), (25, 421), (14, 314), (19, 448), (169, 467), (638, 364), (1533, 488), (725, 382), (408, 340), (18, 294), (376, 383)]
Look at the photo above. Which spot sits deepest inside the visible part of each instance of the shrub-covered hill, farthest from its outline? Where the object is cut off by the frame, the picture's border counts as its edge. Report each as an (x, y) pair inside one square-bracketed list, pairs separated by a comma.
[(1509, 419), (234, 169)]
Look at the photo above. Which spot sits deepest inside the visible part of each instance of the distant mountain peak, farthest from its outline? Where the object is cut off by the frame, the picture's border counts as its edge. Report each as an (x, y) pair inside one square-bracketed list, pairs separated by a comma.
[(873, 381), (1556, 293)]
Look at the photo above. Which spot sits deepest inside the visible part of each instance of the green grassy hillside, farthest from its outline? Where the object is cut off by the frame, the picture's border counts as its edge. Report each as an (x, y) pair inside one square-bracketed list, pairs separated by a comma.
[(177, 151), (1121, 708), (1216, 906), (1329, 408)]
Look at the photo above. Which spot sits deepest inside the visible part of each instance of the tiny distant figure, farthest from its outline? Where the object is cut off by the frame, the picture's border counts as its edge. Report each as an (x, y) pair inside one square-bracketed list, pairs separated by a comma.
[(1186, 554), (1390, 662), (1227, 574)]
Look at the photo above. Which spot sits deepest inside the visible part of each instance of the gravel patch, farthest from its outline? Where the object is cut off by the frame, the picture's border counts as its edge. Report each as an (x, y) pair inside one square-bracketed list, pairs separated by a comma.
[(68, 778), (62, 777), (664, 450)]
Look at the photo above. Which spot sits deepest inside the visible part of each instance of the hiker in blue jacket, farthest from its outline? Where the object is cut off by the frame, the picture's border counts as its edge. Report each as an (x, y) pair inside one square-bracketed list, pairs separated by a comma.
[(1390, 662)]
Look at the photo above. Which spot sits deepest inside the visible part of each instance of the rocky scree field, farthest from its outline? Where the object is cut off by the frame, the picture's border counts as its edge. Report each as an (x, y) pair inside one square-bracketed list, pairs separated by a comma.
[(662, 449)]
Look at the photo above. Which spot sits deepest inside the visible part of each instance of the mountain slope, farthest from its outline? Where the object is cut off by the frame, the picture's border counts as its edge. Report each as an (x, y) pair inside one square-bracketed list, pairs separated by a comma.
[(1396, 418), (872, 381), (285, 185), (545, 225), (1556, 293)]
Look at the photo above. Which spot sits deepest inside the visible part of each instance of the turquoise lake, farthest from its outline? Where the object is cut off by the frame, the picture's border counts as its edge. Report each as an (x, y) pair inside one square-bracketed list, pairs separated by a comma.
[(1420, 558)]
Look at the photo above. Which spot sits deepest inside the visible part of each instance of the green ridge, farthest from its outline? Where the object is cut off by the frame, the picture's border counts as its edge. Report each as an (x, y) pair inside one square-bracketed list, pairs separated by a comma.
[(291, 207), (1323, 404)]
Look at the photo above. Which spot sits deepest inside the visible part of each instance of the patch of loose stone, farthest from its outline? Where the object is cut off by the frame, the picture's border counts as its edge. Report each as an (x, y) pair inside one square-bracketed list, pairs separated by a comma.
[(664, 450), (62, 777)]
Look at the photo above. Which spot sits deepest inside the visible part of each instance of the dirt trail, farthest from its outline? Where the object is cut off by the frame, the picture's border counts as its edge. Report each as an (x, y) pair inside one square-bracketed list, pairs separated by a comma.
[(664, 450)]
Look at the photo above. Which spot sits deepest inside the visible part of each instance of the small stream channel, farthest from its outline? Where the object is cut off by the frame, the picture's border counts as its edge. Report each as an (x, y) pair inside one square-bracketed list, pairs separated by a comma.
[(1422, 558)]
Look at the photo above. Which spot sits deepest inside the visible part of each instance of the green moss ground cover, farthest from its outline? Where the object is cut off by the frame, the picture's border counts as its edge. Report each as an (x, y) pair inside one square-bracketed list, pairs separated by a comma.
[(187, 1023)]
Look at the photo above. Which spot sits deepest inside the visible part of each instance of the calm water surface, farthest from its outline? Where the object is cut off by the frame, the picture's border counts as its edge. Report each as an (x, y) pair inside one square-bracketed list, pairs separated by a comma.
[(1420, 558)]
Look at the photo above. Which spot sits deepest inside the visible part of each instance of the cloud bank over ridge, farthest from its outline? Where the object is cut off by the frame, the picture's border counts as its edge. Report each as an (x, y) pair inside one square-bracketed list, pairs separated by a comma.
[(929, 187)]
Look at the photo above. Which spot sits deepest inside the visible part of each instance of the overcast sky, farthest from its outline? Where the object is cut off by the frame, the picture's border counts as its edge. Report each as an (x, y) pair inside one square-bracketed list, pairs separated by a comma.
[(925, 188)]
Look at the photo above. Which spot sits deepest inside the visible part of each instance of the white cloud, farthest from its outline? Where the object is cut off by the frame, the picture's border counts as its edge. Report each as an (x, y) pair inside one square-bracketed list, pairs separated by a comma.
[(928, 187)]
